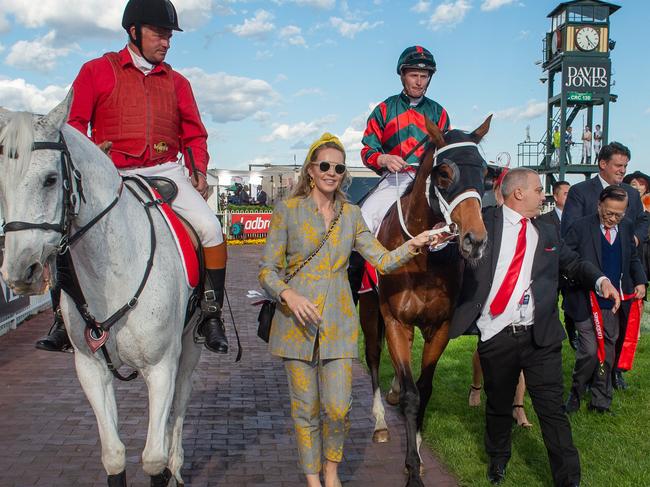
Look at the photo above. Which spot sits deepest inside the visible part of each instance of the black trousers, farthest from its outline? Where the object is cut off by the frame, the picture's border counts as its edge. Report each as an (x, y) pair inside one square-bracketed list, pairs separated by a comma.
[(502, 358)]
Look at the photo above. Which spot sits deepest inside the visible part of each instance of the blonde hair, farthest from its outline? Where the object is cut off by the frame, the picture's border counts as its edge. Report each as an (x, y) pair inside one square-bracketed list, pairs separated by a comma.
[(303, 189)]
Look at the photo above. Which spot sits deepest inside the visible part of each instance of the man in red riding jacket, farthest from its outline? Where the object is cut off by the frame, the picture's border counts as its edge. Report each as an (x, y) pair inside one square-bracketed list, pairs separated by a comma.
[(142, 113)]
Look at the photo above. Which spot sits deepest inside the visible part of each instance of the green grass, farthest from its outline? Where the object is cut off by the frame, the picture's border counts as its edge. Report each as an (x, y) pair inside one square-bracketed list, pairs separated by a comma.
[(613, 449)]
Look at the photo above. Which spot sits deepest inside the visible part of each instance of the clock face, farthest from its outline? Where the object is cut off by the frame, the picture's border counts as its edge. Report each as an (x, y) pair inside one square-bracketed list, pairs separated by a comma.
[(587, 38)]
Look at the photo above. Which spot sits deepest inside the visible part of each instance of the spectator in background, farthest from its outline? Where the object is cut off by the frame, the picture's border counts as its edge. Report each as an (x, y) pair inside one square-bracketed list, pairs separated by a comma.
[(598, 141), (641, 182), (556, 144), (605, 240), (583, 201), (568, 142), (554, 218), (586, 145), (261, 196)]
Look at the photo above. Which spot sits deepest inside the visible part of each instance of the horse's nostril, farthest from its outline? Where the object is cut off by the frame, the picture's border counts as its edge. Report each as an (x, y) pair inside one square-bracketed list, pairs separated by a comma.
[(31, 270)]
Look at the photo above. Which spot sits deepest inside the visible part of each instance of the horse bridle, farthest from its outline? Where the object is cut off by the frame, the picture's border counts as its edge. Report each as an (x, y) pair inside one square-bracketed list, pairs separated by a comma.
[(446, 208), (72, 197), (96, 333)]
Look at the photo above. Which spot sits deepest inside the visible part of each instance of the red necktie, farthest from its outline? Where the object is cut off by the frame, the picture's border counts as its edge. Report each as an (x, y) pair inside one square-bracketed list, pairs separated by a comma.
[(504, 293), (608, 235)]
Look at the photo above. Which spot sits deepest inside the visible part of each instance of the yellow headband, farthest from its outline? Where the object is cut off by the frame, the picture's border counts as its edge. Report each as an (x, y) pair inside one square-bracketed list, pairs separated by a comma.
[(324, 139)]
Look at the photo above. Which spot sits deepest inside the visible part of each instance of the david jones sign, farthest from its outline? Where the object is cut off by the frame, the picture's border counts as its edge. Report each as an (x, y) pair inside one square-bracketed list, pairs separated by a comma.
[(578, 77)]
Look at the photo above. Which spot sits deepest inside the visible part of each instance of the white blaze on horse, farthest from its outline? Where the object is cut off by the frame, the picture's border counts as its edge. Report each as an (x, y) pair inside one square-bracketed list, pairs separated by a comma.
[(46, 194)]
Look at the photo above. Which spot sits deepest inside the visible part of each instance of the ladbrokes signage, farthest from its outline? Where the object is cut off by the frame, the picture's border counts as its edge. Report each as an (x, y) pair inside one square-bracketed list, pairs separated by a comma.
[(589, 76), (9, 302), (250, 223)]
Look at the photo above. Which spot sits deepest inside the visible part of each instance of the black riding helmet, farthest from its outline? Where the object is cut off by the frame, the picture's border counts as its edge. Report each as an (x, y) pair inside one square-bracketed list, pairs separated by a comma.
[(416, 57), (158, 13)]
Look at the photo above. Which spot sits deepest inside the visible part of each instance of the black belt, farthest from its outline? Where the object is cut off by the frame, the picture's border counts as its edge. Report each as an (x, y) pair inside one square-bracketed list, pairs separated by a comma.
[(517, 329)]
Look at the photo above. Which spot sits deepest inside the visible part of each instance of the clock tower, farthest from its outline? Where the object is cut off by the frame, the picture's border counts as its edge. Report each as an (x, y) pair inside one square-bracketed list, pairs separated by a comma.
[(578, 71)]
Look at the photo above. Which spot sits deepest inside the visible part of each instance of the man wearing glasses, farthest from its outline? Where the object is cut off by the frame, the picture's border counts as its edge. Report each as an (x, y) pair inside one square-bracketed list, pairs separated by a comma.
[(606, 240), (583, 200)]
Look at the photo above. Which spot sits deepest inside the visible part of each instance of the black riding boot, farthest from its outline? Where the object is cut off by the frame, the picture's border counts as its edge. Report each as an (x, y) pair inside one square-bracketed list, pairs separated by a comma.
[(57, 338), (355, 274), (118, 480), (212, 327)]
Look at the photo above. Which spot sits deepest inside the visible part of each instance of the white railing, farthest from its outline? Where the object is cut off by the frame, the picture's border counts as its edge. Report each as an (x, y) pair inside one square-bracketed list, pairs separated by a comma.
[(36, 305)]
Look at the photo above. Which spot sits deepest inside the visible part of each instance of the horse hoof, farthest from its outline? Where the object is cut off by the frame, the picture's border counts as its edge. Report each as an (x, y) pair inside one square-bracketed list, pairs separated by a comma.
[(118, 480), (392, 398), (162, 479), (406, 471), (381, 436)]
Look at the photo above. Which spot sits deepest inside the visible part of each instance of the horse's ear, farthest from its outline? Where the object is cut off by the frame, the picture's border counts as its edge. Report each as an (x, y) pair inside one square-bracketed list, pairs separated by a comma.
[(480, 132), (435, 133), (58, 117)]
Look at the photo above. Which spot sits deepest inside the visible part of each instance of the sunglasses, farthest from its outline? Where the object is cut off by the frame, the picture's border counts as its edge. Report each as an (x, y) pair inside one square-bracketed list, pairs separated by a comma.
[(324, 166)]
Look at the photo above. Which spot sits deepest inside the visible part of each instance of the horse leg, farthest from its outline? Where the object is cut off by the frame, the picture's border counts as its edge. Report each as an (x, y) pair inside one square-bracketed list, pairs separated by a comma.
[(433, 348), (399, 338), (393, 395), (189, 358), (97, 383), (373, 331), (160, 379)]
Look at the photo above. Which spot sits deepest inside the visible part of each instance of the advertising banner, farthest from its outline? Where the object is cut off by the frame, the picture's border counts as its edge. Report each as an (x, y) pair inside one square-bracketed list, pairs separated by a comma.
[(246, 224)]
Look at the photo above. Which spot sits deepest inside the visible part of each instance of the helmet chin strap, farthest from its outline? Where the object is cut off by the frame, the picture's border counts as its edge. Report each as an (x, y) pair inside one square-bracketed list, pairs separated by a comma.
[(137, 42)]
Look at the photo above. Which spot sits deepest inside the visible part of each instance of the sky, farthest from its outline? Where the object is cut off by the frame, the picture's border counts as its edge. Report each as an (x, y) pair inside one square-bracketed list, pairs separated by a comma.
[(271, 76)]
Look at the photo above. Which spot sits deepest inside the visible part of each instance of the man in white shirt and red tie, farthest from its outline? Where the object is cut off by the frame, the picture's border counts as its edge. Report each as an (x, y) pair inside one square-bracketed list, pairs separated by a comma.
[(606, 240), (511, 297)]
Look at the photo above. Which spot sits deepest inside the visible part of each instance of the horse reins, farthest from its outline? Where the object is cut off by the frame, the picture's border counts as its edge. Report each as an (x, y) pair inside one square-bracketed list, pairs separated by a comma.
[(445, 208)]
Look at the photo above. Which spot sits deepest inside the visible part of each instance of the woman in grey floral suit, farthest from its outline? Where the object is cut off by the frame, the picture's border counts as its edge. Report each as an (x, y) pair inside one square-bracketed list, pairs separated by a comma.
[(315, 327)]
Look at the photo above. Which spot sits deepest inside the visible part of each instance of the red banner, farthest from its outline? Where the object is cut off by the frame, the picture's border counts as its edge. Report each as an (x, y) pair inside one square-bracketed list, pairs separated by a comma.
[(249, 224)]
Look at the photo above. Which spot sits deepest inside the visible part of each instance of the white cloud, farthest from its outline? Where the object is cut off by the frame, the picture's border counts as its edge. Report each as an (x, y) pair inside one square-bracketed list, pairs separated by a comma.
[(297, 131), (292, 34), (228, 98), (91, 17), (258, 26), (351, 29), (41, 54), (421, 7), (488, 5), (647, 110), (2, 47), (532, 109), (321, 4), (281, 77), (447, 15), (309, 91), (262, 117), (259, 55), (17, 94)]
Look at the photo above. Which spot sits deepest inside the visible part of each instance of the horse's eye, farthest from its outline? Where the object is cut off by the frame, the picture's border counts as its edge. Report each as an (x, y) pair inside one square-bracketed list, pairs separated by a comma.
[(49, 181)]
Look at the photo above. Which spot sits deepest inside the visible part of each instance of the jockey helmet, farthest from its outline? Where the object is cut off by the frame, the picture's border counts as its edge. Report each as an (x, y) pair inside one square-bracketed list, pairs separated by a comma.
[(159, 13), (416, 57)]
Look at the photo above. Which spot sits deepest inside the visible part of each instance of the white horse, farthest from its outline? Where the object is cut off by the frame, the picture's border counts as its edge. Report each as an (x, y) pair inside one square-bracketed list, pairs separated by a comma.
[(110, 261)]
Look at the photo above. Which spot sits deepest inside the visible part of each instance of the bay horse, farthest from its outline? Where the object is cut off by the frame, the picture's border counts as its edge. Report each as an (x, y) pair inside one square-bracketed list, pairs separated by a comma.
[(447, 190), (63, 196)]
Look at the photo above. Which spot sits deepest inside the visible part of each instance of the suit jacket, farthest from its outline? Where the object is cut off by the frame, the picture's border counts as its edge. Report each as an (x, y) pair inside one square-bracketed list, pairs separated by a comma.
[(584, 237), (552, 219), (296, 230), (551, 255), (583, 201)]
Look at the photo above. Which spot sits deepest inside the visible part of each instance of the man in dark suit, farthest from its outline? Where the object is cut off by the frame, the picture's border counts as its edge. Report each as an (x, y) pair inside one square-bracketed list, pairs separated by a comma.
[(583, 201), (605, 240), (554, 218), (507, 296)]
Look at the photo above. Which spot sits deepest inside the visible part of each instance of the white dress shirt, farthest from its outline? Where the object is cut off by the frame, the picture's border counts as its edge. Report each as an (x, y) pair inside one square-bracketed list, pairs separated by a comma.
[(514, 313), (603, 182), (613, 232), (141, 63), (559, 213)]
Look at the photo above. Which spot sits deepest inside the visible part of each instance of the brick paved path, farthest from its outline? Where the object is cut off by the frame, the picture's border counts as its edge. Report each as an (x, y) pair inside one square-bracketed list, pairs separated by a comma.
[(238, 431)]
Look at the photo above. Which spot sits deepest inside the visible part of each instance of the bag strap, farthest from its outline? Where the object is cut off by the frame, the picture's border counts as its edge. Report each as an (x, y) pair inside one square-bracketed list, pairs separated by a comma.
[(320, 246)]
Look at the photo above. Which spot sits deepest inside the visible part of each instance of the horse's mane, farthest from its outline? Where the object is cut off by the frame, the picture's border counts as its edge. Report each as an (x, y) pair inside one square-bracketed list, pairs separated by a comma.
[(17, 137)]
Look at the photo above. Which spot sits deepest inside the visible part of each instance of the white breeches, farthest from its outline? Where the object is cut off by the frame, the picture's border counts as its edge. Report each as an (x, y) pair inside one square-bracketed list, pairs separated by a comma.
[(376, 206), (188, 203)]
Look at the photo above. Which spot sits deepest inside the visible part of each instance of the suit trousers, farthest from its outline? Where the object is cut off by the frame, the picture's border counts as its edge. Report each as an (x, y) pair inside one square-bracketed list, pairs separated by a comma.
[(502, 358), (586, 368), (314, 387)]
